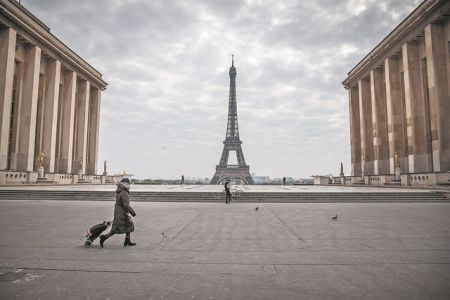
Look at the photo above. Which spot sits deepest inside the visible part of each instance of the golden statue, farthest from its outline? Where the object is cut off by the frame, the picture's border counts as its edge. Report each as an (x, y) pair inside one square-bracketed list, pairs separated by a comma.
[(40, 161)]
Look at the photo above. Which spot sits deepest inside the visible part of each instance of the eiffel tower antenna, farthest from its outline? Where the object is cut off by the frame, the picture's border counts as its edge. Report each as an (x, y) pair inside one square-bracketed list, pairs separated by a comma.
[(232, 142)]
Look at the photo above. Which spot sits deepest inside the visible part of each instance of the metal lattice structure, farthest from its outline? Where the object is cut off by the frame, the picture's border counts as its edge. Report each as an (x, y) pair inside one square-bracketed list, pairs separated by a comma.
[(239, 172)]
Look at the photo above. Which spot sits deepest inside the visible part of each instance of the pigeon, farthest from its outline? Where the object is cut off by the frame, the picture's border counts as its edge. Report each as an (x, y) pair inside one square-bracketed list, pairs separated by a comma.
[(163, 234), (257, 208), (335, 218)]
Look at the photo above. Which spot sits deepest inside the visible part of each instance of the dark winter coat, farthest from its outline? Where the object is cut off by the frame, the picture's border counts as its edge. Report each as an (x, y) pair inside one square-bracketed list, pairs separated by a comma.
[(122, 222)]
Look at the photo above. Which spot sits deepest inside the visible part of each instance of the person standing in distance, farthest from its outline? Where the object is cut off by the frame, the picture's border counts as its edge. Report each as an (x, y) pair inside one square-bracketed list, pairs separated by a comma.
[(227, 190), (122, 222)]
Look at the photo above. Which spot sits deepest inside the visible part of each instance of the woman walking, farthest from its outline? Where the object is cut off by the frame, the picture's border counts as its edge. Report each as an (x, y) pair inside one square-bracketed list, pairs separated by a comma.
[(122, 222)]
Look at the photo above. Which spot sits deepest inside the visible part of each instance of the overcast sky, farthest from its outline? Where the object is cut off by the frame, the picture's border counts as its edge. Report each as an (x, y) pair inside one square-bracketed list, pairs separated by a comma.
[(164, 112)]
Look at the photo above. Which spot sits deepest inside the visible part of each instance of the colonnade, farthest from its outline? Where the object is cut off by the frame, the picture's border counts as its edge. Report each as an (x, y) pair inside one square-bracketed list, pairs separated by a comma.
[(45, 106), (401, 109)]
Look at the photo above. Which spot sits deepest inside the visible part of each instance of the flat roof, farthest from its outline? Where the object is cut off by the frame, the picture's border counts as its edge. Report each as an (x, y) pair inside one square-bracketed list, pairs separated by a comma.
[(15, 13), (426, 11)]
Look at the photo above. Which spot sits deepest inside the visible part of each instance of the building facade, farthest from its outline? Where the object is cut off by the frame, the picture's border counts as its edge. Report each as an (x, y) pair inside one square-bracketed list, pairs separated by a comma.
[(49, 104), (399, 100)]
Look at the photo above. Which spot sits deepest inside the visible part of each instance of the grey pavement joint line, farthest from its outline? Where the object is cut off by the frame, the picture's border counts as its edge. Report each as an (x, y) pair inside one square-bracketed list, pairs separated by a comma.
[(10, 259), (284, 223), (179, 232), (227, 263)]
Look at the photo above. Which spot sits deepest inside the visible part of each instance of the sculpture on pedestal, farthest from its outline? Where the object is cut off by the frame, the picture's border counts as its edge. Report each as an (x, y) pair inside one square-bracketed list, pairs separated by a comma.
[(80, 167), (40, 165), (363, 168), (104, 169), (41, 160), (397, 170)]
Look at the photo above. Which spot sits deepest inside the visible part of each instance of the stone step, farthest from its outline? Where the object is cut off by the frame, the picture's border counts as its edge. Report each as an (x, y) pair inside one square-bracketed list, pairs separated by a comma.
[(199, 195), (286, 197)]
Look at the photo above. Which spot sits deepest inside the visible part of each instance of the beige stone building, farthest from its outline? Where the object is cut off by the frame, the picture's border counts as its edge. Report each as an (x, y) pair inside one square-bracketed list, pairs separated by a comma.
[(400, 104), (49, 103)]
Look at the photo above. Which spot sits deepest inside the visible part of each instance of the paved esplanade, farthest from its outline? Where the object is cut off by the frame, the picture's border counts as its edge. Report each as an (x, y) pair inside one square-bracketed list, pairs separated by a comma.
[(219, 251)]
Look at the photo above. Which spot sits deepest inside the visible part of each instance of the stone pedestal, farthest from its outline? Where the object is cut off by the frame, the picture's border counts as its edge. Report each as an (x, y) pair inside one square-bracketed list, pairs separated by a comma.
[(397, 173), (366, 180), (40, 171), (83, 178), (42, 178), (103, 178), (343, 180)]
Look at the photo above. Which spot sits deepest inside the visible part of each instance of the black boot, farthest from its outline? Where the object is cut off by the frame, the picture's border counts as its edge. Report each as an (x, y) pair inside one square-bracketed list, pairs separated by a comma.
[(103, 239), (128, 242)]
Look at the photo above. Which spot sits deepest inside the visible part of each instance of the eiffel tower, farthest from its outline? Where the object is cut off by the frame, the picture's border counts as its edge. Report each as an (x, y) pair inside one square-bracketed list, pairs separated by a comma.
[(240, 172)]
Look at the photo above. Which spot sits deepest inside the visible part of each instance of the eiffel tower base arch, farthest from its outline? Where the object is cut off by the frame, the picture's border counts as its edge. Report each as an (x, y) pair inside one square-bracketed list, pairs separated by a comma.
[(232, 173)]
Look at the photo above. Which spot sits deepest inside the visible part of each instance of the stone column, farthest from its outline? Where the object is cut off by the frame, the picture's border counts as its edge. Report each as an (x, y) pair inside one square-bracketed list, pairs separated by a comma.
[(418, 158), (81, 126), (380, 139), (27, 126), (67, 122), (395, 117), (51, 115), (93, 131), (355, 132), (7, 54), (438, 96), (365, 107)]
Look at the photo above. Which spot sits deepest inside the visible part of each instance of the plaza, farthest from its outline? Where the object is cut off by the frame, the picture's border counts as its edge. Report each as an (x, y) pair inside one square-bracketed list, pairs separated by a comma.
[(380, 232), (219, 251)]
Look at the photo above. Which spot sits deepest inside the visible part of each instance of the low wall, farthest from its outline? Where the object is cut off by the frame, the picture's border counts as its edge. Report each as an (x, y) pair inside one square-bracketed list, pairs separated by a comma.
[(380, 180), (322, 180), (414, 180), (12, 177), (426, 179)]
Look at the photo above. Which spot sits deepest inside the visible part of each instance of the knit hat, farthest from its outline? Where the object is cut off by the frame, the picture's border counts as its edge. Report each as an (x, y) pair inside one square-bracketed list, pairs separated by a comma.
[(125, 180)]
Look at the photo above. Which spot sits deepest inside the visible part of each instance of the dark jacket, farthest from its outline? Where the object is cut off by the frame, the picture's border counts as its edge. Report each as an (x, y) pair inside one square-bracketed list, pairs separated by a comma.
[(122, 222)]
